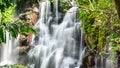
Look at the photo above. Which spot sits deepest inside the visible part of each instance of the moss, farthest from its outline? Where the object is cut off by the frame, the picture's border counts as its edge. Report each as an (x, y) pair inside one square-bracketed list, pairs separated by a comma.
[(14, 66)]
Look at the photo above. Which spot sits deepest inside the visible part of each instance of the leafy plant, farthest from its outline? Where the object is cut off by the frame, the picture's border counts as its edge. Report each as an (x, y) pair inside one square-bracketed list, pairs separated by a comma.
[(7, 24), (14, 29), (7, 14), (98, 20)]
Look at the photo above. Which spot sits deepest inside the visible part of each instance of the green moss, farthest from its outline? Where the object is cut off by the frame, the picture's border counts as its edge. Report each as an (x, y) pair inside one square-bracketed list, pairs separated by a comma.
[(14, 66)]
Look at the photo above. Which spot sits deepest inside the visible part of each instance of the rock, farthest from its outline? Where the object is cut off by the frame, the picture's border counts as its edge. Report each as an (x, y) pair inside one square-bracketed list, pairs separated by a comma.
[(23, 59), (35, 9), (23, 48), (32, 17), (22, 37)]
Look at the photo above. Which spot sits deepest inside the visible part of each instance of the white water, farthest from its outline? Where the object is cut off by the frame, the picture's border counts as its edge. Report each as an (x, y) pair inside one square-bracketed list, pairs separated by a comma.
[(56, 11), (56, 45), (9, 53)]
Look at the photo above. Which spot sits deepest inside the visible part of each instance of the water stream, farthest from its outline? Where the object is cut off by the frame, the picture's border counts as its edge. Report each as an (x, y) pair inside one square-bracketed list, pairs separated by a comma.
[(9, 53), (56, 45)]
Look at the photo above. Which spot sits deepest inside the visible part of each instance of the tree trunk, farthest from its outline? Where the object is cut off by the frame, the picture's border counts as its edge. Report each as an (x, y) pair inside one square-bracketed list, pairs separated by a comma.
[(117, 3)]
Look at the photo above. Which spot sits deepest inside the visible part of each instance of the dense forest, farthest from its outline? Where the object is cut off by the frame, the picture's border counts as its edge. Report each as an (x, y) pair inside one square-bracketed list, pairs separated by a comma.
[(99, 23)]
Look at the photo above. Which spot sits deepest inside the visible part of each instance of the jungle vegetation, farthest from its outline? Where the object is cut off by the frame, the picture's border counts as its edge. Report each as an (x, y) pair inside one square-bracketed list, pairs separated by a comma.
[(7, 22), (100, 23)]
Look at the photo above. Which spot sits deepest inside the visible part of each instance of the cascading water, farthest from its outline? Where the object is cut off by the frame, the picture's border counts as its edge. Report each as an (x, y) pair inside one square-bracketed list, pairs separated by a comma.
[(56, 11), (56, 45), (9, 53)]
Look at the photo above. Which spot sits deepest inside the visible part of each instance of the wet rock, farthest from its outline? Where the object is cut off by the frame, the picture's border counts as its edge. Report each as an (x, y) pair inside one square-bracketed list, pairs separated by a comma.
[(22, 5), (23, 58), (35, 9), (30, 15), (23, 48), (118, 58)]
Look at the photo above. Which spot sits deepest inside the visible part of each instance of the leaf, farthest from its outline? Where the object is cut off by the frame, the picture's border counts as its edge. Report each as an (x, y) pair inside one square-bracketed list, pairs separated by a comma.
[(2, 34), (13, 29)]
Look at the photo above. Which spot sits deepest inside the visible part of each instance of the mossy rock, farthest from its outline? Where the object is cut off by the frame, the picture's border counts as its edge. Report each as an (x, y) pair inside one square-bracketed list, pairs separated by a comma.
[(13, 66)]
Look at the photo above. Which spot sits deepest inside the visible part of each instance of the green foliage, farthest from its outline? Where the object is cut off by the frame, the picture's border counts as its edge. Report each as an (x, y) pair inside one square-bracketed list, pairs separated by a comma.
[(0, 16), (15, 66), (6, 11), (14, 29), (2, 33), (6, 19), (18, 66), (26, 28), (63, 5), (91, 48), (7, 15), (5, 4), (99, 21)]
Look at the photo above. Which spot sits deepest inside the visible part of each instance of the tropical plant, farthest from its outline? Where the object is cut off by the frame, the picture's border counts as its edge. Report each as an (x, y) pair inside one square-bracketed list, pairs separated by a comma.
[(98, 18), (8, 24), (101, 26)]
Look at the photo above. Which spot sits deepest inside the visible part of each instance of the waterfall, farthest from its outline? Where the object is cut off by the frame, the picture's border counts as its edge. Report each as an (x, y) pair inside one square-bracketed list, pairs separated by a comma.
[(56, 11), (56, 45), (9, 53)]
